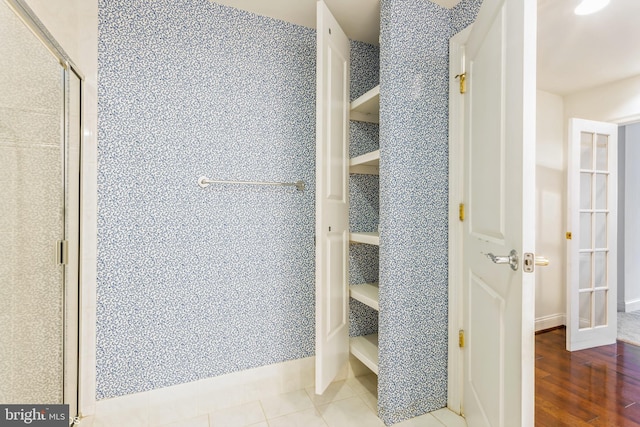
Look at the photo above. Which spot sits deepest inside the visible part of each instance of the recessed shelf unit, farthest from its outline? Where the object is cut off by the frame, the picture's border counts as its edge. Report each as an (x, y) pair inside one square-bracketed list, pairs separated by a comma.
[(366, 108), (365, 349), (366, 293), (368, 163), (368, 238)]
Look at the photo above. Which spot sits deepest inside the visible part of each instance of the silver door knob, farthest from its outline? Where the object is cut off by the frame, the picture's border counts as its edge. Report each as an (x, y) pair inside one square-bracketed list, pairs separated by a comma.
[(511, 259)]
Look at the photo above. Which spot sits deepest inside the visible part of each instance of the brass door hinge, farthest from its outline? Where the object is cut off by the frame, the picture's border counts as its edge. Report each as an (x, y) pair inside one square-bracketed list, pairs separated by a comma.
[(461, 211), (62, 252), (568, 235), (461, 338), (463, 82)]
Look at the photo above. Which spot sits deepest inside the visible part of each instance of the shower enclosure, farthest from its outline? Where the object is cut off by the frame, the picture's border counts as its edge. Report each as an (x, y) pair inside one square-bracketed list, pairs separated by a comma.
[(40, 135)]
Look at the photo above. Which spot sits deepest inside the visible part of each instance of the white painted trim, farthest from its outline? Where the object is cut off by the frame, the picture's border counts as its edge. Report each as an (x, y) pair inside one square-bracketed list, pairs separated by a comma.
[(631, 305), (449, 4), (456, 160), (550, 321), (88, 248)]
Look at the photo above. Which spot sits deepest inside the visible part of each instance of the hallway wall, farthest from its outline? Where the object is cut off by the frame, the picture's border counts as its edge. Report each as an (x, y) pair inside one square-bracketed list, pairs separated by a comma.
[(551, 206), (616, 102)]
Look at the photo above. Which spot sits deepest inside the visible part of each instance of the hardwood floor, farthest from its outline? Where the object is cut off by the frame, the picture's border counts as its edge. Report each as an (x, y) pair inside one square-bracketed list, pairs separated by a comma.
[(594, 387)]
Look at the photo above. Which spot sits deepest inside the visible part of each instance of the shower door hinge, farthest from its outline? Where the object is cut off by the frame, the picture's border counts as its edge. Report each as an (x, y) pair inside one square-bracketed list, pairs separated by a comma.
[(62, 252), (461, 338)]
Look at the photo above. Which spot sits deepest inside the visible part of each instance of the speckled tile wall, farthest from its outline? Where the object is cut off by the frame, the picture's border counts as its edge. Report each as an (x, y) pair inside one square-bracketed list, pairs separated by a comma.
[(463, 15), (413, 204), (193, 282)]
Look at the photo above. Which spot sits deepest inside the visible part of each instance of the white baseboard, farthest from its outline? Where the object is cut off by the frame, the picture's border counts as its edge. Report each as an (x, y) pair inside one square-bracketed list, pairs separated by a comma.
[(631, 305), (551, 321), (190, 400)]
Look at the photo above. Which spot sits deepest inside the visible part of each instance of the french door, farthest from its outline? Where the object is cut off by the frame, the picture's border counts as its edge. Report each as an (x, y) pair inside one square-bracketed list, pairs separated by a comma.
[(591, 242)]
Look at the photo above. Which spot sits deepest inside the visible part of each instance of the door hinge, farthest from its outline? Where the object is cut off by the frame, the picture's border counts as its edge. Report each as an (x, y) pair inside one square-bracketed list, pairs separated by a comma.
[(463, 82), (461, 211), (567, 235), (62, 252), (461, 338)]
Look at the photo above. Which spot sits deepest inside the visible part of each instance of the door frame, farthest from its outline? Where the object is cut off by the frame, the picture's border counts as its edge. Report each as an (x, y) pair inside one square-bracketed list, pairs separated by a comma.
[(456, 174)]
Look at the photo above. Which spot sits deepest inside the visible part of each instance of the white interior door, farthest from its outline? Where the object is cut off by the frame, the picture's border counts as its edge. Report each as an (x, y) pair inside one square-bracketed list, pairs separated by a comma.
[(593, 201), (332, 199), (498, 298)]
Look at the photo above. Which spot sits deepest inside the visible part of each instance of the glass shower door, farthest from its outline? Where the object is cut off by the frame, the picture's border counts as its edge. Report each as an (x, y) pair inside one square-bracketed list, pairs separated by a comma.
[(32, 196)]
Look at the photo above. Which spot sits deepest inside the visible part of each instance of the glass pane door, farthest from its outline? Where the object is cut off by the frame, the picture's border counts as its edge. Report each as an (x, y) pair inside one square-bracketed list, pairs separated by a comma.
[(594, 215), (592, 203), (32, 220)]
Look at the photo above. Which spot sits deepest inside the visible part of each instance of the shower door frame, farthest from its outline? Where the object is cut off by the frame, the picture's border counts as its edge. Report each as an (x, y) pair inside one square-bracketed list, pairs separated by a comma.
[(71, 300)]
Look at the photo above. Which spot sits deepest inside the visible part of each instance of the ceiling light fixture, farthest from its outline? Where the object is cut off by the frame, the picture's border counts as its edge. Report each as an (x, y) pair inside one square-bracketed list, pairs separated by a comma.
[(587, 7)]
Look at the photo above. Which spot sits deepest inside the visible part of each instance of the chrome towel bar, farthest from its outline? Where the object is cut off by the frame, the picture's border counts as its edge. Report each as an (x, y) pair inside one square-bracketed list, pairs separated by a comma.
[(204, 182)]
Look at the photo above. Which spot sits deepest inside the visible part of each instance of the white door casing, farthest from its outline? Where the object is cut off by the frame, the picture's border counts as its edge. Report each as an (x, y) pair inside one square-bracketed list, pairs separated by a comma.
[(332, 199), (456, 189), (499, 192), (591, 251)]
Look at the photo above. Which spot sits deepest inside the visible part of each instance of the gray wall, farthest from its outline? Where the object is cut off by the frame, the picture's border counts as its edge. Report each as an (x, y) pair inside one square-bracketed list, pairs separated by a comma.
[(629, 235)]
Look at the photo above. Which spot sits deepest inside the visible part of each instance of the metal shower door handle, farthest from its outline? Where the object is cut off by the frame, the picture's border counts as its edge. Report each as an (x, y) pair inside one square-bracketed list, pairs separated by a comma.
[(511, 259)]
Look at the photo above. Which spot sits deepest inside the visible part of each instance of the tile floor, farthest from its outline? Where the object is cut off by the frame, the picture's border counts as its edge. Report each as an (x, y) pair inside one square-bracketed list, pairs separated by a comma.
[(348, 403)]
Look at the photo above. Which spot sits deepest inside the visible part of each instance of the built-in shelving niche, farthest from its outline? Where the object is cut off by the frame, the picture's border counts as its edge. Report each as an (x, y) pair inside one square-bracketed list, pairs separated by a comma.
[(366, 108)]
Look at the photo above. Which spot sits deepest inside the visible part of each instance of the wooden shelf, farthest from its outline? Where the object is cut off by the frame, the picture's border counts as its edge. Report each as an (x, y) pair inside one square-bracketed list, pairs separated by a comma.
[(367, 107), (368, 163), (366, 293), (366, 238), (365, 349)]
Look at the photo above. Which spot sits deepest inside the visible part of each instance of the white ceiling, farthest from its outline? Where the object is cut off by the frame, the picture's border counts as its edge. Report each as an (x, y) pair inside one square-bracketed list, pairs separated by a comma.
[(360, 19), (574, 52), (580, 52)]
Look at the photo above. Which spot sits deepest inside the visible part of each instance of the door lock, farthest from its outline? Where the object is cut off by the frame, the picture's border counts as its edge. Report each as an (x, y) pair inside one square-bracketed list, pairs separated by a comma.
[(530, 260)]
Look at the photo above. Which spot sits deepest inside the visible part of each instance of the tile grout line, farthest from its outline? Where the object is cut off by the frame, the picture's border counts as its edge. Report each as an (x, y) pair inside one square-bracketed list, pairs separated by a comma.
[(266, 420)]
